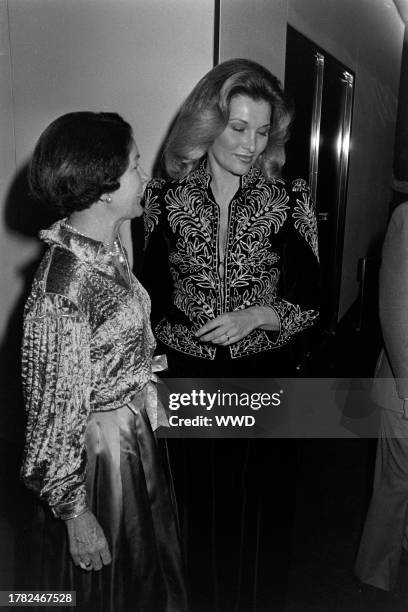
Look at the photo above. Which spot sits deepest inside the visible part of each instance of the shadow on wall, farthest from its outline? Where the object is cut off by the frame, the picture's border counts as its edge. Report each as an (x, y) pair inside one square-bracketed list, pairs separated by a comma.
[(137, 228), (23, 217)]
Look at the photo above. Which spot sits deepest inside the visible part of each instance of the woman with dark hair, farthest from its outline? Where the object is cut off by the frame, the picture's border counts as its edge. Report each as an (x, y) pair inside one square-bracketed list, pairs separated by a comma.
[(241, 250), (90, 452)]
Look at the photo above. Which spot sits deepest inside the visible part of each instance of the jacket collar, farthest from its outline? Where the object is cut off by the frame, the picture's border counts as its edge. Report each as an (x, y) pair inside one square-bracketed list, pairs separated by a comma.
[(201, 177)]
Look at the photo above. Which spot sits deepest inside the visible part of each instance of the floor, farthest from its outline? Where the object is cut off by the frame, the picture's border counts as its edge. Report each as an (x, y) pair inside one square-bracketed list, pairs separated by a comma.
[(333, 494)]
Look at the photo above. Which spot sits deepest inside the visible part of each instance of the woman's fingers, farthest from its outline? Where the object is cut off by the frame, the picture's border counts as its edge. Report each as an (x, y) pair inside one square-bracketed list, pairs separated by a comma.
[(96, 562), (106, 556), (87, 542), (223, 339), (86, 565), (216, 330), (211, 328), (228, 328), (217, 336), (99, 558)]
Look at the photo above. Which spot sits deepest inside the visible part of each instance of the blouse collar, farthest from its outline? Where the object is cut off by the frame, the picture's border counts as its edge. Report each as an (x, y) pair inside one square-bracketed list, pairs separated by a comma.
[(84, 247)]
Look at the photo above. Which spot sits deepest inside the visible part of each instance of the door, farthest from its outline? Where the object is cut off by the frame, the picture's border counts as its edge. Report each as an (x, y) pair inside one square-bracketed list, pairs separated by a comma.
[(322, 91)]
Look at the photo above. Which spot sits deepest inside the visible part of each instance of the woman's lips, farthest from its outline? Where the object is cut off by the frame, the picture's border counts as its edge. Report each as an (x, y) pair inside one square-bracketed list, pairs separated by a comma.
[(246, 159)]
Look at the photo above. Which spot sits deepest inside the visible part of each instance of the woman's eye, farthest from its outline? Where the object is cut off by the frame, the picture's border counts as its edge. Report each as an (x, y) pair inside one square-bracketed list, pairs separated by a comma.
[(237, 128), (263, 134)]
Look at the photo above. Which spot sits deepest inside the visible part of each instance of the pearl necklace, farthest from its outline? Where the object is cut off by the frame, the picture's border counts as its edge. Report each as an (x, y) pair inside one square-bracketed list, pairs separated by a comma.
[(114, 251)]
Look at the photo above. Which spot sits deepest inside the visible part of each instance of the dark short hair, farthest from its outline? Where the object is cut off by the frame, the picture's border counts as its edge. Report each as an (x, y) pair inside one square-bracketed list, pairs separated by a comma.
[(79, 157), (205, 113)]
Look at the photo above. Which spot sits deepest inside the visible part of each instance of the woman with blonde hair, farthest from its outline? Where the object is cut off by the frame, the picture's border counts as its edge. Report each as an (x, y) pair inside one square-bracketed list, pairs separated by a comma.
[(239, 248), (241, 242)]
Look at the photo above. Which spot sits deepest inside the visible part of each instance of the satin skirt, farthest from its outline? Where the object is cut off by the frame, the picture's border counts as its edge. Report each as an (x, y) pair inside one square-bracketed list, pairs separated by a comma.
[(128, 492)]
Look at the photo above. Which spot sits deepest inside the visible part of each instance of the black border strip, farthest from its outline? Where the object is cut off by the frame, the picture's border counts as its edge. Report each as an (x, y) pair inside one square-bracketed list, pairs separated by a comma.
[(217, 19)]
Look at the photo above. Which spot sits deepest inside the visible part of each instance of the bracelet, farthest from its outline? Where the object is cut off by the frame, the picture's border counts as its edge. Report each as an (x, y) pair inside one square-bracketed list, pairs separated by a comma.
[(68, 517)]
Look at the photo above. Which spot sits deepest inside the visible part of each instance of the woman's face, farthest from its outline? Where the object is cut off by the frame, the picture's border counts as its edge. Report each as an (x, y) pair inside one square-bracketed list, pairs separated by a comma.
[(126, 199), (244, 138)]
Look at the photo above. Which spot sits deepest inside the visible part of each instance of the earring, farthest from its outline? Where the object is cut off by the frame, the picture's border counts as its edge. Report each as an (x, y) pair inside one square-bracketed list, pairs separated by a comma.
[(108, 199)]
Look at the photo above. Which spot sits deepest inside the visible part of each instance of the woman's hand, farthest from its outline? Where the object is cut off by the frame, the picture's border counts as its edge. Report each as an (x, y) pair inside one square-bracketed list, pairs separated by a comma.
[(233, 326), (87, 543)]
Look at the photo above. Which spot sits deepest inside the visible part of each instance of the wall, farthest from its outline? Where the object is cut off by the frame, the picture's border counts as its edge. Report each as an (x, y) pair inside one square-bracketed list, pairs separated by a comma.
[(137, 57), (9, 249), (367, 36), (141, 57), (254, 29)]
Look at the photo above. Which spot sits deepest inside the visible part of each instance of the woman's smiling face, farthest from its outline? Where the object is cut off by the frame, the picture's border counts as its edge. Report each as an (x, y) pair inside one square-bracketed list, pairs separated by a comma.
[(237, 148)]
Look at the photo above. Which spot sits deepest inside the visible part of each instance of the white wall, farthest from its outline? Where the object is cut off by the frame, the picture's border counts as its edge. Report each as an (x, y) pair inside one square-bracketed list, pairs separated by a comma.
[(255, 29), (367, 36), (10, 245), (136, 57)]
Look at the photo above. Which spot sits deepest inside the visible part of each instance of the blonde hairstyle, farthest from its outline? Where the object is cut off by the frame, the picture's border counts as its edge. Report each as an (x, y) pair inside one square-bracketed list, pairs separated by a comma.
[(205, 114)]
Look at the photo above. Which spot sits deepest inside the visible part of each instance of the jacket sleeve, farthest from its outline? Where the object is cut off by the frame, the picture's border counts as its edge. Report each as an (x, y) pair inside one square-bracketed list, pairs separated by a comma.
[(56, 375), (394, 297), (155, 271), (297, 301)]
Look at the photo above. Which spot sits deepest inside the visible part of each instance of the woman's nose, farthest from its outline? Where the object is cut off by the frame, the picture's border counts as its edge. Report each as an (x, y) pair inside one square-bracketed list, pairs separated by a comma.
[(250, 142), (143, 176)]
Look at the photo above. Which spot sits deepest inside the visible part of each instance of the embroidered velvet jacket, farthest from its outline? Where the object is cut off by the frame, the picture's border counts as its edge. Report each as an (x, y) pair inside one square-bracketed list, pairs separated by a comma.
[(271, 258), (87, 346)]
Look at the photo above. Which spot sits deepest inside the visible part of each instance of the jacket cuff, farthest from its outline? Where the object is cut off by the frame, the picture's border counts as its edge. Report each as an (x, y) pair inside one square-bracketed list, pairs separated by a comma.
[(69, 510), (275, 333), (280, 308)]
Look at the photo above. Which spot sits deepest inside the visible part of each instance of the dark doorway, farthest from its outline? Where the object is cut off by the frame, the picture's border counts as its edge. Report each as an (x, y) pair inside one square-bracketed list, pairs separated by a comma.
[(322, 91)]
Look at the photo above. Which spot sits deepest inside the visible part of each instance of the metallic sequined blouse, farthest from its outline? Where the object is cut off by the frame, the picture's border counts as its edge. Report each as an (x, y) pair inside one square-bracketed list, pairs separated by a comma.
[(87, 347)]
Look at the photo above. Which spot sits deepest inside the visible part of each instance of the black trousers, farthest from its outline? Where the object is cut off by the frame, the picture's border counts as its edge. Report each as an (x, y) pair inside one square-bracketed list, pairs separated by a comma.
[(236, 499)]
